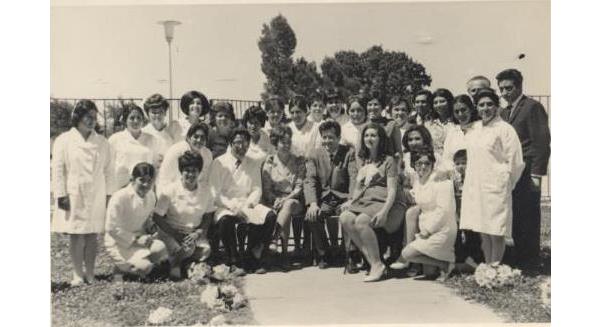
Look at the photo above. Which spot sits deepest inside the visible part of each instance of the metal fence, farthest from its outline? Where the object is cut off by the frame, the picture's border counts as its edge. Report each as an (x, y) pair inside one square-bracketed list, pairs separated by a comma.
[(545, 100), (106, 118)]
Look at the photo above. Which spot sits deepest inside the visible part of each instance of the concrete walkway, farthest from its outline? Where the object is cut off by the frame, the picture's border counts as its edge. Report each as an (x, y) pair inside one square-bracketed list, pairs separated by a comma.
[(311, 296)]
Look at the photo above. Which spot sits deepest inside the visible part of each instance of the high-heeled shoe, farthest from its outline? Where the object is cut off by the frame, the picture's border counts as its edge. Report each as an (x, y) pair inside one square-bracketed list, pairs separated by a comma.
[(377, 275)]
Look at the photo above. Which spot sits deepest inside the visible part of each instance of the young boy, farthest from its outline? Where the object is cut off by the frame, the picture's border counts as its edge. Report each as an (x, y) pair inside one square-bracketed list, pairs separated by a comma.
[(468, 243)]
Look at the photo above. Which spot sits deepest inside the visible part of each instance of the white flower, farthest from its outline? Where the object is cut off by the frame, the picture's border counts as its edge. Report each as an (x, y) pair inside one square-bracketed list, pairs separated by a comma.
[(199, 272), (210, 295), (220, 272), (217, 321), (160, 316), (229, 290), (238, 301)]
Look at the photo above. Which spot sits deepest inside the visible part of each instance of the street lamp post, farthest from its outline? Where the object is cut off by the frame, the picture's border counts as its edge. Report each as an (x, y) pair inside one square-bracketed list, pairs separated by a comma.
[(169, 26)]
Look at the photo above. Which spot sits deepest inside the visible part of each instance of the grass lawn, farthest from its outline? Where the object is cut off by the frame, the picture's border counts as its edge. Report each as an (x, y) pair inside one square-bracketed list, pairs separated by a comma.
[(521, 303), (108, 303)]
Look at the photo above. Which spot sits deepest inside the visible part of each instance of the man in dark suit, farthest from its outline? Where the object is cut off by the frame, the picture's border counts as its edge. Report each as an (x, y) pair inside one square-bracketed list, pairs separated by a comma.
[(530, 120), (327, 186)]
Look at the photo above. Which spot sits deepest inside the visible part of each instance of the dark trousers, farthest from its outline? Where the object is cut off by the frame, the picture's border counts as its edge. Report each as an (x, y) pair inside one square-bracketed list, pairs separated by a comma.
[(226, 228), (468, 244), (526, 222)]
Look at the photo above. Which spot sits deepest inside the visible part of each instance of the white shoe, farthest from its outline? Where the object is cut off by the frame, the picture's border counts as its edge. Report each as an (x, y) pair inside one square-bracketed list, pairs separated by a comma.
[(398, 265), (77, 281), (445, 274)]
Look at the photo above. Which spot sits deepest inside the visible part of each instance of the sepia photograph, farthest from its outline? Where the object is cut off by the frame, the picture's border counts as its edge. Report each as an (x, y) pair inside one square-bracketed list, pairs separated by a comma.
[(300, 163)]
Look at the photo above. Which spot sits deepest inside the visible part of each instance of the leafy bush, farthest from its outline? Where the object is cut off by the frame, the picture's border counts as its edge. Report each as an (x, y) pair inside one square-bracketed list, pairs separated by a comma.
[(60, 117)]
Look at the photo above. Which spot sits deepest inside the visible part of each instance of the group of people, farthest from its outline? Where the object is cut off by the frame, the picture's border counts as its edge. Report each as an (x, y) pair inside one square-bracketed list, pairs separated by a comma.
[(420, 183)]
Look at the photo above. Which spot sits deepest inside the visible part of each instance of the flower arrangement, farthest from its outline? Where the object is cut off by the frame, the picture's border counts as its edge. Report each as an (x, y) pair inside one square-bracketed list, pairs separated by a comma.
[(222, 297), (199, 272), (160, 316), (202, 273), (545, 293), (496, 275), (220, 273)]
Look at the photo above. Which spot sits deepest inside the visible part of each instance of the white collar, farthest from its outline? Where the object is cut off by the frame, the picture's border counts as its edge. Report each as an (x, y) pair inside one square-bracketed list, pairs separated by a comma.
[(516, 102)]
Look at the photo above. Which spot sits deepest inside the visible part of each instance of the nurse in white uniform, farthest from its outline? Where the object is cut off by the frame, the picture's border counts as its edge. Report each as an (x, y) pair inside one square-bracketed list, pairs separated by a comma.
[(195, 141), (156, 108), (130, 147), (80, 172), (494, 165), (130, 239)]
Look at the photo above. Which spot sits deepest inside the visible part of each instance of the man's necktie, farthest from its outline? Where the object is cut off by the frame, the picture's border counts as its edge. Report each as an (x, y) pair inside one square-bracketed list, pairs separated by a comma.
[(508, 111)]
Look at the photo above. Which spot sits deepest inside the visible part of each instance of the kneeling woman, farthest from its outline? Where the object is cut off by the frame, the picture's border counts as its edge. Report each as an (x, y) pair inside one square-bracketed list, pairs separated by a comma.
[(128, 239), (373, 202), (434, 244), (180, 213)]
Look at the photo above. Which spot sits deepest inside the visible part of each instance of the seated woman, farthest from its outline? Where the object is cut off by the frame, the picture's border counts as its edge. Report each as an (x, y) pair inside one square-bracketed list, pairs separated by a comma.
[(195, 141), (373, 204), (254, 120), (129, 240), (180, 215), (220, 132), (434, 243), (282, 177)]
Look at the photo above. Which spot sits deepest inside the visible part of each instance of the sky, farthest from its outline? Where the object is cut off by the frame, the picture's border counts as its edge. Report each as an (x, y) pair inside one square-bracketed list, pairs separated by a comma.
[(110, 51)]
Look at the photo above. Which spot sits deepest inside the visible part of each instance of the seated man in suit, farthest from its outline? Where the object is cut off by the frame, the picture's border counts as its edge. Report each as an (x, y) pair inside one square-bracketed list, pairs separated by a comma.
[(327, 185), (530, 120)]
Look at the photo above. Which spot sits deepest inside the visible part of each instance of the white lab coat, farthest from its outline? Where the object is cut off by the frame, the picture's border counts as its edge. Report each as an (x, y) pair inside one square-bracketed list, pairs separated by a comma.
[(80, 170), (126, 152), (169, 169), (127, 217), (234, 188), (494, 165)]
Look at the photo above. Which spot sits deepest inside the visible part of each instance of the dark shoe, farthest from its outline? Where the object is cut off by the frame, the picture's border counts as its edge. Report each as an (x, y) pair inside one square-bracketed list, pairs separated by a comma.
[(236, 271), (285, 264), (415, 270), (322, 263)]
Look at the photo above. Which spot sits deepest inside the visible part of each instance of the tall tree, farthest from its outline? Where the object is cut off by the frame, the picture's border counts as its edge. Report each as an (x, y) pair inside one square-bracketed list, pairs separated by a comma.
[(387, 72), (306, 79), (277, 44)]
